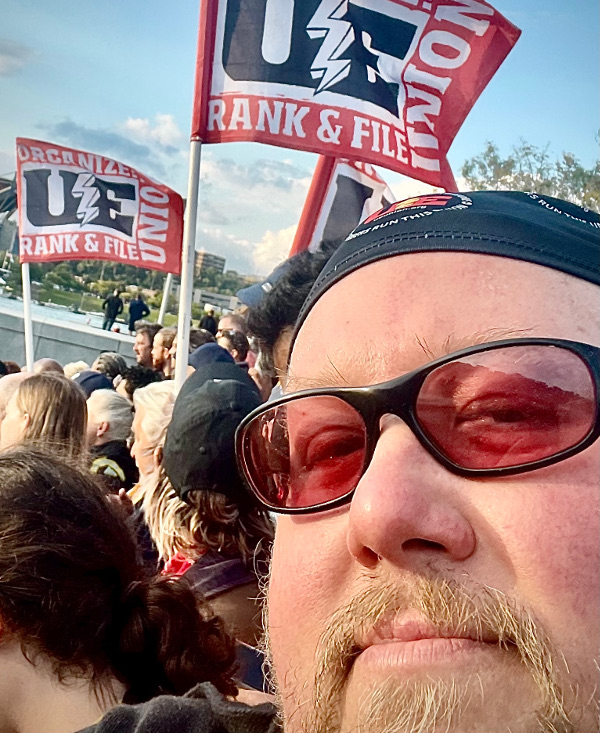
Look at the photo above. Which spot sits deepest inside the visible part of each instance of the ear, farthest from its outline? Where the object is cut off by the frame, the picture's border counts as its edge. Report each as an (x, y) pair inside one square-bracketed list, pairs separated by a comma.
[(158, 456), (102, 429), (26, 420)]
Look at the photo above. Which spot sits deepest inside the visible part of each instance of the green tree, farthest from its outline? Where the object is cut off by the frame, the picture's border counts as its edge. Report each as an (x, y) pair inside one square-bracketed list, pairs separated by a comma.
[(531, 168)]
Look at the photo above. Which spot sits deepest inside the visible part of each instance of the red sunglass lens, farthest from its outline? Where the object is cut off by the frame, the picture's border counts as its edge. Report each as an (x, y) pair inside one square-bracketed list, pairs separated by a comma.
[(508, 407), (306, 453)]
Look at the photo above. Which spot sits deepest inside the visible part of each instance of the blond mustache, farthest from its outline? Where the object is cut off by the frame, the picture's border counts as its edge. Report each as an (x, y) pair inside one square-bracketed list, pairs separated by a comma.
[(455, 609)]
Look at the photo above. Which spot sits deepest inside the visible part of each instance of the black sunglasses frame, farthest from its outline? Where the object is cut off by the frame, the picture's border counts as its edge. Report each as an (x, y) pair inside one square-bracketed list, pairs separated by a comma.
[(398, 397)]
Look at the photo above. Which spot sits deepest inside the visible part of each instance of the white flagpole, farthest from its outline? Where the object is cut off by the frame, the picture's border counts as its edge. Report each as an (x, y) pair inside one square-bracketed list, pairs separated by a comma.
[(27, 322), (188, 253), (165, 299)]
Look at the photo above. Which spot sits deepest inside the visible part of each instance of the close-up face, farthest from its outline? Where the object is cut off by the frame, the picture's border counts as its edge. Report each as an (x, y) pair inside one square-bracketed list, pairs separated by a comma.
[(142, 449), (142, 348), (14, 424), (432, 601)]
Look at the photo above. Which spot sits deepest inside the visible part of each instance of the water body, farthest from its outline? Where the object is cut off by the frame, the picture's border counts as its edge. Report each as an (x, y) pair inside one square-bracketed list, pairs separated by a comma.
[(55, 312), (60, 334)]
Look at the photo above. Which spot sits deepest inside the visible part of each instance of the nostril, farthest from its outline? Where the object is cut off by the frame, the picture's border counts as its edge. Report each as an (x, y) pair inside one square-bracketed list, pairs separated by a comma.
[(419, 544)]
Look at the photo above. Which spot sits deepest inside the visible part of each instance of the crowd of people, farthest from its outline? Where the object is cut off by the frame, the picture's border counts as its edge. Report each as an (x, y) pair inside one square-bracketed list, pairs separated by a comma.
[(372, 506)]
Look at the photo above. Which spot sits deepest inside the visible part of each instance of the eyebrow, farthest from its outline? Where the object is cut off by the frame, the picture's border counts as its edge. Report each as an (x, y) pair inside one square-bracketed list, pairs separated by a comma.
[(332, 376)]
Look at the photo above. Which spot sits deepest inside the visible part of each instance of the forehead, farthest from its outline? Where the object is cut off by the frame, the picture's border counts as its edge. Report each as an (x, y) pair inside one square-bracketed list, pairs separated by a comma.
[(142, 338), (423, 305)]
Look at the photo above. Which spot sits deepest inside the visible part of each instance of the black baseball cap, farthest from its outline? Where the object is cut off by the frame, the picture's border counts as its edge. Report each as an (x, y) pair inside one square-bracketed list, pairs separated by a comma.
[(253, 295), (199, 450), (90, 380), (524, 226)]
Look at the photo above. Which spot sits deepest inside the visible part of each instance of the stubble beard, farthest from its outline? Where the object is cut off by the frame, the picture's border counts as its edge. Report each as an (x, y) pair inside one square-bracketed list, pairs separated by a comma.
[(315, 702)]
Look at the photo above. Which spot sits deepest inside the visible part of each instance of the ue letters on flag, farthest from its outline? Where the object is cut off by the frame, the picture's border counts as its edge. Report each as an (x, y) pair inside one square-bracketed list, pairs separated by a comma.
[(75, 205), (388, 82)]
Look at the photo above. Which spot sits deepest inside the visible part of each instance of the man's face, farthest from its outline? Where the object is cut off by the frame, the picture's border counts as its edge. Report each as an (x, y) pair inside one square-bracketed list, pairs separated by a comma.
[(358, 594), (159, 353), (142, 348), (226, 324), (142, 449)]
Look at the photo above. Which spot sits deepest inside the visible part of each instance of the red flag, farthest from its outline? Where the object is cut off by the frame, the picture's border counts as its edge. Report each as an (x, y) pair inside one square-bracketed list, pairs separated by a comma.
[(342, 193), (75, 205), (388, 82)]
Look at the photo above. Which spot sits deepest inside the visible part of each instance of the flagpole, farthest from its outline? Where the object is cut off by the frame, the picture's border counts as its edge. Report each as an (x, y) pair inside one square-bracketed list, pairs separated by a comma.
[(187, 265), (165, 298), (27, 322), (315, 198)]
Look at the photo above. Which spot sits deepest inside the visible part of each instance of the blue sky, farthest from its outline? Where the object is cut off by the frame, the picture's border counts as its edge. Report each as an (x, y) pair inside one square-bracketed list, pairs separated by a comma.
[(116, 77)]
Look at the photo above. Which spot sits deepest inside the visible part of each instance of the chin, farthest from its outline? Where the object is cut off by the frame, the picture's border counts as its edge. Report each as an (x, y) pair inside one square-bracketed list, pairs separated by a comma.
[(495, 696)]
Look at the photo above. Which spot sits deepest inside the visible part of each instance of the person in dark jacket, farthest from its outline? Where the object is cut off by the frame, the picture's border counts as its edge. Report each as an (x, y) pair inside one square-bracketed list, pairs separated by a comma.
[(209, 323), (138, 309), (110, 416), (112, 307)]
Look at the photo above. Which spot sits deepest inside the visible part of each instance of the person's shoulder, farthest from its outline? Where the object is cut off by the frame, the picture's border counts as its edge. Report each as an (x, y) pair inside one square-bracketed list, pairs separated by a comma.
[(202, 710)]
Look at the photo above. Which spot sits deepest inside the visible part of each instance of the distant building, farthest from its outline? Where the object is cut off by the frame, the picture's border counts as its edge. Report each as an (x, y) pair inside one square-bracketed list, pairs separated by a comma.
[(206, 260), (217, 301)]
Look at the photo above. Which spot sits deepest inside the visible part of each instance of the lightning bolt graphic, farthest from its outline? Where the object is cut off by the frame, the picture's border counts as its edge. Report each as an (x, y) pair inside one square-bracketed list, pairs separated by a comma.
[(84, 187), (337, 36)]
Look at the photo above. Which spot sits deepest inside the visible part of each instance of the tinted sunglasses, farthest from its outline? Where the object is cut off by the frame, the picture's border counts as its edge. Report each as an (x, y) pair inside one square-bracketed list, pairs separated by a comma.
[(496, 409)]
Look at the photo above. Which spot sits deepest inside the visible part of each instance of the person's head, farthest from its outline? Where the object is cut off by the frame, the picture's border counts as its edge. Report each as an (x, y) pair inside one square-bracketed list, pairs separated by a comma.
[(47, 411), (199, 501), (232, 322), (236, 344), (153, 408), (12, 367), (109, 417), (198, 337), (110, 363), (47, 365), (116, 292), (75, 367), (90, 380), (448, 585), (135, 377), (76, 600), (160, 348), (9, 384), (271, 319), (144, 337)]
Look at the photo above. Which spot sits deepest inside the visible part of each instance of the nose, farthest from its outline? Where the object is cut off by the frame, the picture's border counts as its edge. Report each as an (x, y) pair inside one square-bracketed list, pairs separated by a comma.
[(407, 509)]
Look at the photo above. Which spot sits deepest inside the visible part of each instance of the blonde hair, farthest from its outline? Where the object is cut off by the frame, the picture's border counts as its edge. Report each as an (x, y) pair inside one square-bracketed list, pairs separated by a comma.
[(207, 520), (57, 413), (74, 367), (157, 400)]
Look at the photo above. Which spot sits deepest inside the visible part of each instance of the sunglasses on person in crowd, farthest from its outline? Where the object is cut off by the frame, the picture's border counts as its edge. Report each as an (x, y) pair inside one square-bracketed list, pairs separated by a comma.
[(495, 409)]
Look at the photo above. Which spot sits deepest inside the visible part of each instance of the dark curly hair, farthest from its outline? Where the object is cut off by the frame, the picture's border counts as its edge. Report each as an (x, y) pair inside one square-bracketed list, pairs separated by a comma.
[(280, 307), (73, 589), (138, 376)]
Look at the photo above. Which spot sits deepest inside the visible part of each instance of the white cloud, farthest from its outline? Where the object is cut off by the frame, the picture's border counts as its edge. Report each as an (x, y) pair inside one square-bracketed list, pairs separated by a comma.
[(237, 251), (163, 130), (273, 248), (13, 56)]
